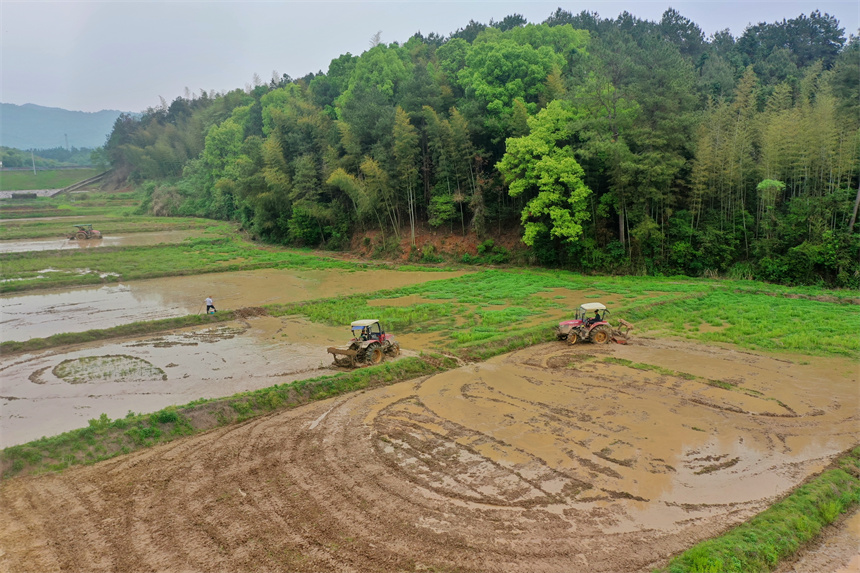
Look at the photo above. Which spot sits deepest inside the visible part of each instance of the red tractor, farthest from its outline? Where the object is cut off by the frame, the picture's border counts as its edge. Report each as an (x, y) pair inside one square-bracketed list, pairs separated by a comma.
[(369, 345), (85, 232), (590, 325)]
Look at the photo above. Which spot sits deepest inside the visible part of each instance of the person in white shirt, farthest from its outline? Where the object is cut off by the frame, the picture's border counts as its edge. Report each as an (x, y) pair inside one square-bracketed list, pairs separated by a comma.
[(209, 304)]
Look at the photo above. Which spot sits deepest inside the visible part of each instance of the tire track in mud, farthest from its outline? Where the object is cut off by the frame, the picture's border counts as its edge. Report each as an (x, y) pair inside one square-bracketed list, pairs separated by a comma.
[(538, 461)]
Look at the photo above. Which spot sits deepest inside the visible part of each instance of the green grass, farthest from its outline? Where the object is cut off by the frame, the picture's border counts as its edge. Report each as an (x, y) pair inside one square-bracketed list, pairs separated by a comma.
[(91, 205), (457, 309), (661, 307), (757, 320), (759, 544), (49, 179)]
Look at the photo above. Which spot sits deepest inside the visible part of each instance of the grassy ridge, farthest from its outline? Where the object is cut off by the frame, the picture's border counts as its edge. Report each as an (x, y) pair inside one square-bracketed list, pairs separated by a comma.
[(47, 179)]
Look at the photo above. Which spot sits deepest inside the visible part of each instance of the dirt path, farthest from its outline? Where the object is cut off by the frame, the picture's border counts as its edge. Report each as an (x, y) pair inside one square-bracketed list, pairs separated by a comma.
[(546, 460)]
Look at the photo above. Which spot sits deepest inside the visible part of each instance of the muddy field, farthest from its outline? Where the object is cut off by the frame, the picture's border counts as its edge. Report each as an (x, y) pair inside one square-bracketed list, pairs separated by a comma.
[(145, 374), (47, 393), (54, 311), (548, 459)]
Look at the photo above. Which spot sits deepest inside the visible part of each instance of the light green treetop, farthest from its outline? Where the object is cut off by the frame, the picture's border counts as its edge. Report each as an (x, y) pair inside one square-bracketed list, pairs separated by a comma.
[(538, 164)]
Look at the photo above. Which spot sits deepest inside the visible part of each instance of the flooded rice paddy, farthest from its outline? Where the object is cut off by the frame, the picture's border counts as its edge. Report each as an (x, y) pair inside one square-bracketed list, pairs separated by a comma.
[(127, 240), (47, 393), (76, 310)]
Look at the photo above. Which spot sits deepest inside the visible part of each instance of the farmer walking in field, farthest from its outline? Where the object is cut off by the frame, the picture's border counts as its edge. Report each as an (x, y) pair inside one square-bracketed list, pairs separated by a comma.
[(209, 304)]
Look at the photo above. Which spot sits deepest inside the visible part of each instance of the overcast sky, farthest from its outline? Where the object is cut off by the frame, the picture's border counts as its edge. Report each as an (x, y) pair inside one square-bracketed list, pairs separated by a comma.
[(120, 55)]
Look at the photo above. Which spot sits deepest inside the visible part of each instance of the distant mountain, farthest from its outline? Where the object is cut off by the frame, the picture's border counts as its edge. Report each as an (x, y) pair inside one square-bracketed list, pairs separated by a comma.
[(32, 126)]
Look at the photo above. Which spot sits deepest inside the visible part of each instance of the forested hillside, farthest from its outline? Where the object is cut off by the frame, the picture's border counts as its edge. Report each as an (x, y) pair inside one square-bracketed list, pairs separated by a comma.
[(610, 145)]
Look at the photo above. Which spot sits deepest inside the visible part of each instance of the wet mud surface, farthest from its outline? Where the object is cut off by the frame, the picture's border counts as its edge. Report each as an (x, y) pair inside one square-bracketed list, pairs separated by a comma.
[(76, 310), (52, 392), (547, 459), (126, 240)]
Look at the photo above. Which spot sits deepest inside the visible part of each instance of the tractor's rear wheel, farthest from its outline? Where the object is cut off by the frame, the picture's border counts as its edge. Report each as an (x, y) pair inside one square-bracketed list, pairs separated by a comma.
[(572, 337), (80, 235), (600, 335), (373, 354)]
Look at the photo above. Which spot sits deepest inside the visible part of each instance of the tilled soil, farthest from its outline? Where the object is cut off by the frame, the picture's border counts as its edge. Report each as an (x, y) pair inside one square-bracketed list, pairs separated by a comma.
[(549, 459)]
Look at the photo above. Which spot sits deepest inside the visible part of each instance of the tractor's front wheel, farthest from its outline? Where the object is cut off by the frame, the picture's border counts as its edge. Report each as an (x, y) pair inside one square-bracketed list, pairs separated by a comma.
[(373, 354), (572, 337), (600, 335)]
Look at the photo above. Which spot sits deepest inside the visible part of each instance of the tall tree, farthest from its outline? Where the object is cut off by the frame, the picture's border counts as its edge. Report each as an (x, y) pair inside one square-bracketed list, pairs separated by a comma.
[(542, 167), (406, 152)]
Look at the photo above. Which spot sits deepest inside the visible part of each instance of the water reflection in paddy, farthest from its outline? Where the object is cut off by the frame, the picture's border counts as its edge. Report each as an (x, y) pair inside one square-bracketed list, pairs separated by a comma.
[(76, 310)]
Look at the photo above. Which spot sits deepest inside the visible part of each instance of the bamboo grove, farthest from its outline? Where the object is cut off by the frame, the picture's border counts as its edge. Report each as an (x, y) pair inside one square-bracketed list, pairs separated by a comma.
[(608, 145)]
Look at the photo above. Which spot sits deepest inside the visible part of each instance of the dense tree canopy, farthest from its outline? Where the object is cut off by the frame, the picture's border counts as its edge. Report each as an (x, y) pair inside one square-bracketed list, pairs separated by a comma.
[(610, 144)]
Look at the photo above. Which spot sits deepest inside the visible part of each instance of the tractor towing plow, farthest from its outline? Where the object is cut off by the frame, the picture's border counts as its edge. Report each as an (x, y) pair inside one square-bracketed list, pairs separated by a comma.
[(592, 328), (368, 347)]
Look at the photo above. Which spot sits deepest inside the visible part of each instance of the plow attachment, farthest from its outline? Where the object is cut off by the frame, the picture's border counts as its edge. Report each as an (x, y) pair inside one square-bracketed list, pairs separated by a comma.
[(343, 356), (620, 334)]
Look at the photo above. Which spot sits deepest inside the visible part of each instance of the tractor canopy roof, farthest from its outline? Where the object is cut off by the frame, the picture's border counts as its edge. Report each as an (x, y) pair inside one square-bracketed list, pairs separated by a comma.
[(82, 225), (593, 306), (359, 324)]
